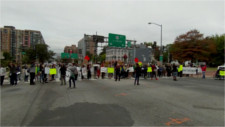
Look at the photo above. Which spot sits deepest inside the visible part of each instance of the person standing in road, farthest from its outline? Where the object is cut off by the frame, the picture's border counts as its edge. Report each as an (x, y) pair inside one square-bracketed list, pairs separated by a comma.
[(73, 75), (137, 74), (154, 70), (2, 74), (42, 73), (174, 72), (14, 74), (88, 71), (26, 74), (118, 73), (63, 74), (203, 67), (32, 73)]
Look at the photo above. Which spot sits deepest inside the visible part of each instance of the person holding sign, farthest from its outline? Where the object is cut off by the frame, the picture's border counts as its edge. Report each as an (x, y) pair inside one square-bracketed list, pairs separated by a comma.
[(2, 74)]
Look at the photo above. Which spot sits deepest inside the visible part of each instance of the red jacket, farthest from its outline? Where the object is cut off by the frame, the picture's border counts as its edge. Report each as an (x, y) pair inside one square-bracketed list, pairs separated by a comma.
[(204, 68)]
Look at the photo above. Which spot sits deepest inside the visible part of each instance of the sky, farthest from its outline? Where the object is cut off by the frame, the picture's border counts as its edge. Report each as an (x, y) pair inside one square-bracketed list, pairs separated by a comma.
[(64, 22)]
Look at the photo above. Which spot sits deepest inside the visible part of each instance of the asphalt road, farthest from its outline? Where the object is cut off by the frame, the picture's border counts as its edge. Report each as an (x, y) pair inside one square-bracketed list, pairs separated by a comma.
[(104, 102)]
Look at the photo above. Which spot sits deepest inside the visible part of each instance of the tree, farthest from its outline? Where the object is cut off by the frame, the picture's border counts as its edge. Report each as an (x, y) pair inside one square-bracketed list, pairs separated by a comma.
[(192, 46), (148, 44), (218, 56), (40, 52), (7, 59)]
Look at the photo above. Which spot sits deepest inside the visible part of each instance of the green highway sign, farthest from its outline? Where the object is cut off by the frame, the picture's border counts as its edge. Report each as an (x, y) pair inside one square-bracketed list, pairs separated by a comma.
[(74, 56), (23, 53), (129, 44), (161, 58), (65, 55), (116, 40), (68, 56)]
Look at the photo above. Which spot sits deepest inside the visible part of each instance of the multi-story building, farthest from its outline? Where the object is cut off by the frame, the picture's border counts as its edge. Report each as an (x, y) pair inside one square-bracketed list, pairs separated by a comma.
[(8, 40), (71, 49), (116, 54), (32, 37), (140, 51), (87, 44), (14, 40)]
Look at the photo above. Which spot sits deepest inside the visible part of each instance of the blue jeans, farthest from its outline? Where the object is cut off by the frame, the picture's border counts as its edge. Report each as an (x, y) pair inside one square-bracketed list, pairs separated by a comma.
[(73, 79), (203, 74), (136, 79)]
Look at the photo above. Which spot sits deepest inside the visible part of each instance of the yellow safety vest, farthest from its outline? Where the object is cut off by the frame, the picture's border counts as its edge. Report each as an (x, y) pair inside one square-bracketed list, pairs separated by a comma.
[(222, 73)]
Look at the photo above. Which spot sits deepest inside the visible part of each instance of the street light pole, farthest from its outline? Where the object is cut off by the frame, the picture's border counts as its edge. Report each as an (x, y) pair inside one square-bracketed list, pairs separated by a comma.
[(161, 50)]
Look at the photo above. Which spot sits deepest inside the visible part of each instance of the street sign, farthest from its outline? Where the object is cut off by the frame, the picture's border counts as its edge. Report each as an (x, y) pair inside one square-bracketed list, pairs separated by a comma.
[(116, 40), (161, 58), (129, 44), (23, 53), (65, 55), (74, 56), (68, 56)]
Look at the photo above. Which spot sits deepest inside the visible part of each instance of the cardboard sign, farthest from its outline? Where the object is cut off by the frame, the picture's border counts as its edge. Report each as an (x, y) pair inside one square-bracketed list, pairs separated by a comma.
[(110, 70), (53, 71), (149, 69)]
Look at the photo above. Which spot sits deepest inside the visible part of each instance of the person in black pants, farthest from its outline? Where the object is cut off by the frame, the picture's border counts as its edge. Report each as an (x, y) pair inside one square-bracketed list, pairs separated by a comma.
[(14, 75), (137, 74), (118, 73), (89, 72), (32, 74)]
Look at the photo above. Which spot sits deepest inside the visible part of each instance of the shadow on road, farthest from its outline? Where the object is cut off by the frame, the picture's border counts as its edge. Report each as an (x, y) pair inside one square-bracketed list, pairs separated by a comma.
[(84, 114)]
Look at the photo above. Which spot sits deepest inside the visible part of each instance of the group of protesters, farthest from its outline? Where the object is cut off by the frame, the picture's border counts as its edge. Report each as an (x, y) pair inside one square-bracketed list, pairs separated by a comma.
[(38, 72)]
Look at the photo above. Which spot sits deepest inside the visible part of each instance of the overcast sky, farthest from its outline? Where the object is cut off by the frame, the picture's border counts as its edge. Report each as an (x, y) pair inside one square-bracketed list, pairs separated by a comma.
[(64, 22)]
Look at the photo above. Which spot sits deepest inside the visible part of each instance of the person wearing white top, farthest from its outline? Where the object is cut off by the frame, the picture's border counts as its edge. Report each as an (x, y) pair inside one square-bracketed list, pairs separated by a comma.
[(2, 74)]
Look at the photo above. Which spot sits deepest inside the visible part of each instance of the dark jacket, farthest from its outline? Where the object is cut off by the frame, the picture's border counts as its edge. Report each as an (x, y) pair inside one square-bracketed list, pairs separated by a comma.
[(175, 68), (138, 71), (63, 70)]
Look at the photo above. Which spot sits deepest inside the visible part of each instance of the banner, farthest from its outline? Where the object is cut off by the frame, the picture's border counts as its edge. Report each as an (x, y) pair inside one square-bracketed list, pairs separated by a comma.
[(190, 70), (149, 69), (47, 70), (103, 69), (131, 69), (110, 70), (52, 71)]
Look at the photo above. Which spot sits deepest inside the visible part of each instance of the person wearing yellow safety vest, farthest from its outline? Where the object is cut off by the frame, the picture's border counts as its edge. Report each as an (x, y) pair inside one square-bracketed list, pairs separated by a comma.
[(180, 70)]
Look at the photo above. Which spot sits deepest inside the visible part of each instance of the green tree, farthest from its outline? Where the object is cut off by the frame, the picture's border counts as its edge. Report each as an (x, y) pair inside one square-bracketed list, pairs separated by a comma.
[(7, 59), (40, 52), (218, 56)]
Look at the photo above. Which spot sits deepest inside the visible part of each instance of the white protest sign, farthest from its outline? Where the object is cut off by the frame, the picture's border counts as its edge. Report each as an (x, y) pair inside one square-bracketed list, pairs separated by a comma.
[(47, 70), (189, 70), (84, 71), (131, 69), (104, 69)]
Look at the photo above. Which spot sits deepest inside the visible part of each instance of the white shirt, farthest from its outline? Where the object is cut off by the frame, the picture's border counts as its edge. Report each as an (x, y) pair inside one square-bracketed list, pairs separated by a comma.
[(2, 71)]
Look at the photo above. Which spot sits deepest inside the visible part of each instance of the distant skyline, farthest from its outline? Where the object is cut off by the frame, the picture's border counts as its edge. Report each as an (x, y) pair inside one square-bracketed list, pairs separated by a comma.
[(64, 22)]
